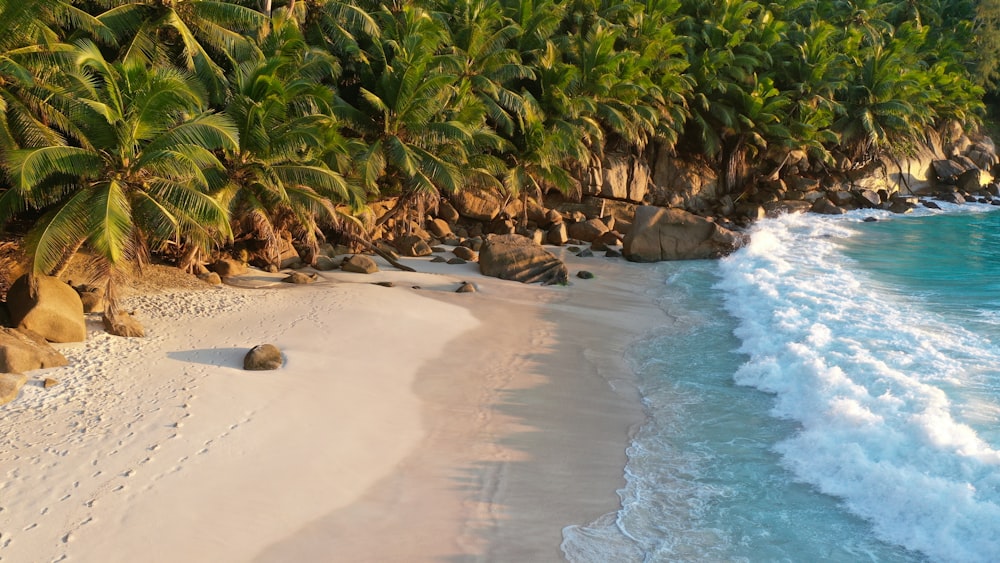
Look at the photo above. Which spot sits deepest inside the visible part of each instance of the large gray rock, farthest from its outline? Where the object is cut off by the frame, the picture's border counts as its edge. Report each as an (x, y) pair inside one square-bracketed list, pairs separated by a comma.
[(674, 234), (10, 386), (517, 258), (22, 351), (54, 311), (678, 182), (360, 264), (617, 176), (262, 357), (947, 171)]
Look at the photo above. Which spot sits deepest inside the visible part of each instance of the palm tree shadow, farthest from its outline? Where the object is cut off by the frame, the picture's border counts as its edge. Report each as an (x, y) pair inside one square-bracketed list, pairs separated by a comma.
[(220, 357)]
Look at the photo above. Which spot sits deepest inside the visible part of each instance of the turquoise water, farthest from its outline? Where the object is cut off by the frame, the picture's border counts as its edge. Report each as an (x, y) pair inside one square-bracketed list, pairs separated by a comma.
[(829, 393)]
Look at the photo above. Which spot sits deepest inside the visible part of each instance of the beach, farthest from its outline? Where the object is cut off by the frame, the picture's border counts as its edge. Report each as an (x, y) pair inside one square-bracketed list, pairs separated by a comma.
[(408, 422)]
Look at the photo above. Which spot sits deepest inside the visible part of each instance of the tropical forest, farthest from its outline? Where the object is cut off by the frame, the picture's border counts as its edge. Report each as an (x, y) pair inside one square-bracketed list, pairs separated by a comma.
[(172, 128)]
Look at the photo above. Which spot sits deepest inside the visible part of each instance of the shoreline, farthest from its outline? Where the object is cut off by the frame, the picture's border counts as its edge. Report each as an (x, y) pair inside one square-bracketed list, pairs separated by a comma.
[(498, 463)]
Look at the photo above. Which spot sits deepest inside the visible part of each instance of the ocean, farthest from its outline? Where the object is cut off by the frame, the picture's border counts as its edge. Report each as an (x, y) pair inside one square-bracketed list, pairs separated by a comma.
[(831, 392)]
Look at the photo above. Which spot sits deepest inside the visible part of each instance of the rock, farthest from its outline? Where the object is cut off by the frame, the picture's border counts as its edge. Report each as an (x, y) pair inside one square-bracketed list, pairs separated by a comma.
[(300, 278), (870, 219), (947, 171), (359, 264), (900, 206), (226, 267), (840, 198), (585, 275), (969, 181), (439, 228), (211, 278), (553, 217), (123, 324), (931, 205), (91, 296), (952, 197), (10, 386), (325, 263), (824, 206), (606, 241), (557, 234), (387, 249), (466, 287), (480, 205), (385, 284), (513, 257), (587, 231), (439, 259), (22, 351), (612, 253), (585, 253), (54, 311), (456, 260), (674, 234), (49, 383), (868, 198), (413, 246), (262, 357), (466, 253), (447, 212), (786, 206)]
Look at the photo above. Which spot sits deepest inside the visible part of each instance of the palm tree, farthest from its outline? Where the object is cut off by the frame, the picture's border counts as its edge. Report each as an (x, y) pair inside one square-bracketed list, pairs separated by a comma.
[(205, 37), (278, 177), (140, 180)]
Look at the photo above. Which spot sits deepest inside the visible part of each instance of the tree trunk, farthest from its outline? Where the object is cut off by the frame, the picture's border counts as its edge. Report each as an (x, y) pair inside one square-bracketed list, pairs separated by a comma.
[(67, 256)]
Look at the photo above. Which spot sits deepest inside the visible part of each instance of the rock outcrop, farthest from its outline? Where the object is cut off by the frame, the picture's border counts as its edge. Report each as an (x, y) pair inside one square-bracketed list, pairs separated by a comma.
[(517, 258), (22, 351), (674, 234), (262, 357), (54, 310)]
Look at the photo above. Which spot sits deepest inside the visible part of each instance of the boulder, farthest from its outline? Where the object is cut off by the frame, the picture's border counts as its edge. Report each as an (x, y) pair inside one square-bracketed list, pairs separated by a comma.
[(439, 259), (466, 253), (868, 198), (262, 357), (824, 206), (360, 264), (585, 275), (674, 234), (605, 241), (587, 231), (24, 351), (123, 324), (456, 261), (413, 246), (969, 181), (480, 205), (300, 278), (226, 267), (557, 234), (517, 258), (10, 386), (447, 212), (439, 228), (91, 296), (211, 278), (325, 263), (53, 311), (947, 171), (466, 287)]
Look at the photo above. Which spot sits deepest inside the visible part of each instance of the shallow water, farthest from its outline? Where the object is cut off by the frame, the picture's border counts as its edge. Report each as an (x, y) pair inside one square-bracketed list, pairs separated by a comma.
[(831, 392)]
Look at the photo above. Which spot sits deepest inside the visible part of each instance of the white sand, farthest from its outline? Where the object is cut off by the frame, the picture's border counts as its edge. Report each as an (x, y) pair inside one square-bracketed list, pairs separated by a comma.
[(407, 425)]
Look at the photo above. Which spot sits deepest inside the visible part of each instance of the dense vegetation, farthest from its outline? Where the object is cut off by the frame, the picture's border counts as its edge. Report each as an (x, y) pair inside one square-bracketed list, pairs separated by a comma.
[(138, 125)]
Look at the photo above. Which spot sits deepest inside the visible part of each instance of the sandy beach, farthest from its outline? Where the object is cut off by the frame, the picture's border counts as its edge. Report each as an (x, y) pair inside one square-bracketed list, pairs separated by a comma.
[(406, 425)]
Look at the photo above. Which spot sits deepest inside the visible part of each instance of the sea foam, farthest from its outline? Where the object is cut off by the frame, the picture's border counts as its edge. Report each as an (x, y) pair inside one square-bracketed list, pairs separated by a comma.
[(874, 380)]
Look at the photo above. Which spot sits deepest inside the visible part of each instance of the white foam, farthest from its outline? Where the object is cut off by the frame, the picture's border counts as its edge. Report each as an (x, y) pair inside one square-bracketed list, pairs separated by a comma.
[(874, 381)]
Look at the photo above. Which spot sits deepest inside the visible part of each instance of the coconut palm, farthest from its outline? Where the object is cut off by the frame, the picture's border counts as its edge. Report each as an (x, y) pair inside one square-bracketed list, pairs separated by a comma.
[(277, 175), (205, 37), (140, 180)]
